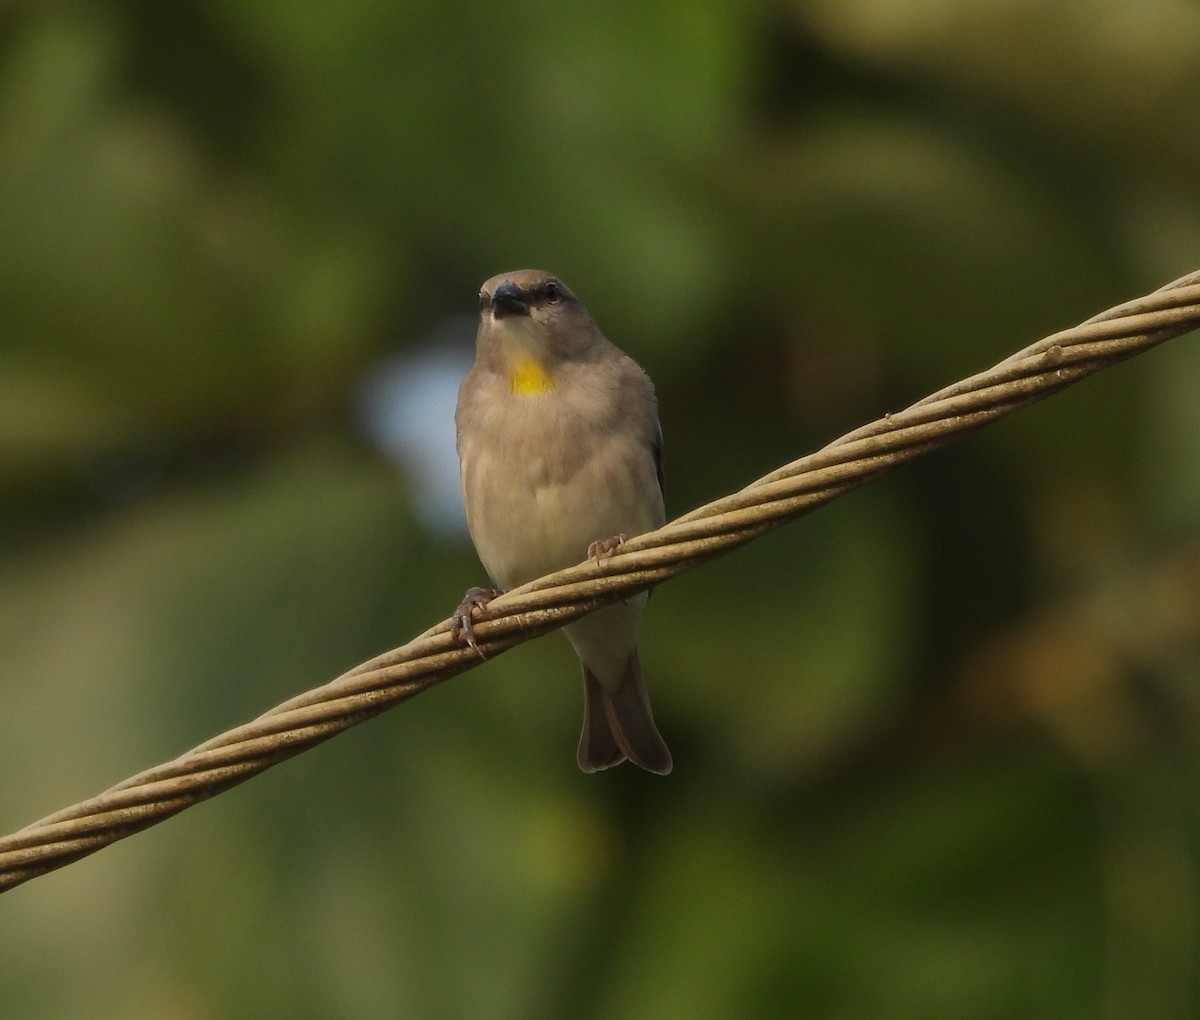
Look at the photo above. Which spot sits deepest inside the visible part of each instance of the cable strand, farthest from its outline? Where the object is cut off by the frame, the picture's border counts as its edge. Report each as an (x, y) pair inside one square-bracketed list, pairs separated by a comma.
[(372, 687)]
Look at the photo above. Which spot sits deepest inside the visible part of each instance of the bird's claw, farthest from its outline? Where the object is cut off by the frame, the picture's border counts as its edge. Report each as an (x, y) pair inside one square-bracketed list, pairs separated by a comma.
[(462, 628), (605, 547)]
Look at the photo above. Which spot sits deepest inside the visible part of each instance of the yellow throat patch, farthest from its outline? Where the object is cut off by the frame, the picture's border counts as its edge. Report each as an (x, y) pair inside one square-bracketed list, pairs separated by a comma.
[(527, 377)]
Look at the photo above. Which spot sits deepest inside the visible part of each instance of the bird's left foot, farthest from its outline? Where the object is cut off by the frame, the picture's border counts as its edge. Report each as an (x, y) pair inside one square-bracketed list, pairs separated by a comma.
[(461, 626), (605, 547)]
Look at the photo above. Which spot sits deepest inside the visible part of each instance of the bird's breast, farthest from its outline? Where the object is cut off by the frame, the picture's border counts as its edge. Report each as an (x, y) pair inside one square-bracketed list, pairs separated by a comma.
[(541, 483)]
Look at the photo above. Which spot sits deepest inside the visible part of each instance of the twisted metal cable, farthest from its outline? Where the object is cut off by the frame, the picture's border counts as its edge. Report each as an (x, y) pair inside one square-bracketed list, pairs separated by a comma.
[(549, 602)]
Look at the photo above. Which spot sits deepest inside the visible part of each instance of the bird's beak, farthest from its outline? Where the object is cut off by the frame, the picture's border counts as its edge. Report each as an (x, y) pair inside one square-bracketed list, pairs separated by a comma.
[(509, 299)]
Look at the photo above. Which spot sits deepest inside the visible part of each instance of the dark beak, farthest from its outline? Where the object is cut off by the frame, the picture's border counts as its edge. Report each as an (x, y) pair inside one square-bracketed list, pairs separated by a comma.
[(509, 299)]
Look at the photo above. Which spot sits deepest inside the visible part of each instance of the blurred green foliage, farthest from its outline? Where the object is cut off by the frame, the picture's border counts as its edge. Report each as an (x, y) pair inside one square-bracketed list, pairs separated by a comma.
[(937, 746)]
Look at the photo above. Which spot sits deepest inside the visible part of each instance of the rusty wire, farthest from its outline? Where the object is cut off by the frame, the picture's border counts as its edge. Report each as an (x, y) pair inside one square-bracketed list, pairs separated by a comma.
[(370, 688)]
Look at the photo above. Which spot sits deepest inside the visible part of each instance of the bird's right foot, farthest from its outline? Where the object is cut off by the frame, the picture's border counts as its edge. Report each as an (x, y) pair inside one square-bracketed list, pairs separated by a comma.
[(461, 626)]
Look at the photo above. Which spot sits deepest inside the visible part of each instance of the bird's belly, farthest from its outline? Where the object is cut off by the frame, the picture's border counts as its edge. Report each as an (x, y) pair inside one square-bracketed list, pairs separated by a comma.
[(531, 517)]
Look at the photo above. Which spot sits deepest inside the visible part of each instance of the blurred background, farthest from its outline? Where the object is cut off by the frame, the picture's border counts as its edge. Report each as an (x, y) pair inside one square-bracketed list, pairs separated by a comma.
[(937, 746)]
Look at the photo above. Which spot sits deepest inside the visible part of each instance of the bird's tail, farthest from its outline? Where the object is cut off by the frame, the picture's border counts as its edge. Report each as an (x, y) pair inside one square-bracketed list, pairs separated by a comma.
[(618, 724)]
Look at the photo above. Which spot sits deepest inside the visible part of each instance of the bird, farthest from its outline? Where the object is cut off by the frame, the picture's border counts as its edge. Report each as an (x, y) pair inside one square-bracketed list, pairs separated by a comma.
[(560, 459)]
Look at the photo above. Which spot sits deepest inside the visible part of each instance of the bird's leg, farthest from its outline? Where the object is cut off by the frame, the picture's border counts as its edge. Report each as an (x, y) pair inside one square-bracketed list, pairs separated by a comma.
[(605, 547), (461, 627)]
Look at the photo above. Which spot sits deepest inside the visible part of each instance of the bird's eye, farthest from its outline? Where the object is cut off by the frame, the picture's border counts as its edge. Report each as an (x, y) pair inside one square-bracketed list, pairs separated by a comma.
[(552, 292)]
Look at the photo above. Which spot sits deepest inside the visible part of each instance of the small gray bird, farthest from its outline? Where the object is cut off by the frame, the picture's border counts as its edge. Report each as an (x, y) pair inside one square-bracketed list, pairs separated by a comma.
[(560, 456)]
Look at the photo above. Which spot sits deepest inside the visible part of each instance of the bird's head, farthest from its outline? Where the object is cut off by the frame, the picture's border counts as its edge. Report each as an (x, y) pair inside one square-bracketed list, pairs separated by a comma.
[(529, 323)]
